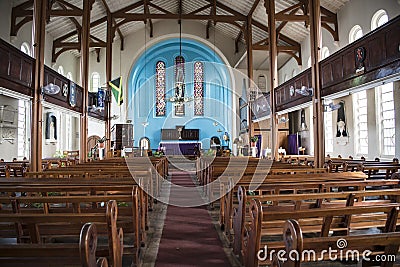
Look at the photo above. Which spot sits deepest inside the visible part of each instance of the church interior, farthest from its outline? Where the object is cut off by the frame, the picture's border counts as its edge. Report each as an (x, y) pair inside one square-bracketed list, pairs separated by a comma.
[(199, 133)]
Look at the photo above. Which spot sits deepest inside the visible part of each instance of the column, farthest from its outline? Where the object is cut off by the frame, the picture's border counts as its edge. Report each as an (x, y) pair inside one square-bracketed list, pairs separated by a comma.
[(38, 36), (273, 58), (318, 115), (84, 78)]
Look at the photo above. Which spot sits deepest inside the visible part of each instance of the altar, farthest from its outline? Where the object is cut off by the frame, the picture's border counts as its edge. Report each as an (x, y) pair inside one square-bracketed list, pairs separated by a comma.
[(180, 141), (186, 148)]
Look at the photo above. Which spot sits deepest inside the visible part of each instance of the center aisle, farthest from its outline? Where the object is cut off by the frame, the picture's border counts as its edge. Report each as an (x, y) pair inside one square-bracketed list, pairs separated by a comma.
[(189, 237)]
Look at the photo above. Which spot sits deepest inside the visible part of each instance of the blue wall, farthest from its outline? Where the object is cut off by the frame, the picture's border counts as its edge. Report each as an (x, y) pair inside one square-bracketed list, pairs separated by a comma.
[(217, 94)]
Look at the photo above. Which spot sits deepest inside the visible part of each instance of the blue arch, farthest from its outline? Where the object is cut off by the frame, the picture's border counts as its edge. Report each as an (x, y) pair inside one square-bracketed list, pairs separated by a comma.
[(141, 91)]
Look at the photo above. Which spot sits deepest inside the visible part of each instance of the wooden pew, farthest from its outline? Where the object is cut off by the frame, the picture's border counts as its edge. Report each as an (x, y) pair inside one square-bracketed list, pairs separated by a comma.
[(294, 202), (229, 184), (89, 200), (320, 221), (38, 254), (42, 228), (14, 168), (374, 169), (350, 248), (144, 178), (133, 170)]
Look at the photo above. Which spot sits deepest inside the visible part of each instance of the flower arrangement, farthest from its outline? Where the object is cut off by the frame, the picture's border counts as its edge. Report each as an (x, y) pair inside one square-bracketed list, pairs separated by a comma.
[(254, 139)]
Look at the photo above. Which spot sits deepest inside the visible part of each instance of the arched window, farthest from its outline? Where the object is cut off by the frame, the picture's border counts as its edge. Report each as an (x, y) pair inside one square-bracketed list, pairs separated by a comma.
[(378, 19), (160, 89), (69, 76), (180, 84), (25, 47), (324, 52), (95, 82), (355, 33), (198, 88), (60, 70)]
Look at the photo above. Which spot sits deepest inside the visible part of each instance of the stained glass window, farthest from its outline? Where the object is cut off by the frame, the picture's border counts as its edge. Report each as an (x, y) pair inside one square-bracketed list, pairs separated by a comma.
[(198, 89), (160, 89), (179, 85)]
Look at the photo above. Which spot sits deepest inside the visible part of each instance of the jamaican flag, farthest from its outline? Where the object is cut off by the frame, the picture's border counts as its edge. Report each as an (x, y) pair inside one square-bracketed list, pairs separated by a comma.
[(116, 89)]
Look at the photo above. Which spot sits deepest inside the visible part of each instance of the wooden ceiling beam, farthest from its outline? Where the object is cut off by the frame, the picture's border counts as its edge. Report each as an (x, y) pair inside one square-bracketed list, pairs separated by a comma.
[(281, 48), (200, 9), (213, 14), (121, 36), (159, 8), (283, 23), (72, 33), (147, 11), (98, 40), (65, 13), (239, 37), (239, 15), (72, 19), (76, 45), (282, 37), (20, 12), (139, 17), (253, 8), (290, 9), (128, 8), (71, 6), (291, 18), (241, 32)]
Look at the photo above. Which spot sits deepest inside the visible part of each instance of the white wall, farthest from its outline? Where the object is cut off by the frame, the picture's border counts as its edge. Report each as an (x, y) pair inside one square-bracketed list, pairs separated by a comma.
[(96, 127), (5, 20)]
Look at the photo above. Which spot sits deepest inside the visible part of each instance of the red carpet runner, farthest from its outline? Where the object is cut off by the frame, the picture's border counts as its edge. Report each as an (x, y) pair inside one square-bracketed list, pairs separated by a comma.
[(189, 237)]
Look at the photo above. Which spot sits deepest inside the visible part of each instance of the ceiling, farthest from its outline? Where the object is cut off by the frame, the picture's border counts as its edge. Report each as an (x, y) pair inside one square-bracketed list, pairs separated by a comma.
[(59, 26)]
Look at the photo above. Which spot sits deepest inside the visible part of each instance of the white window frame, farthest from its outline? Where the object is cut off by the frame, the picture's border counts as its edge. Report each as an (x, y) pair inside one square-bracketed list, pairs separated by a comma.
[(360, 118), (354, 33), (324, 52), (23, 129), (69, 76), (95, 85), (309, 62), (60, 70), (328, 125), (386, 107), (26, 48), (377, 21)]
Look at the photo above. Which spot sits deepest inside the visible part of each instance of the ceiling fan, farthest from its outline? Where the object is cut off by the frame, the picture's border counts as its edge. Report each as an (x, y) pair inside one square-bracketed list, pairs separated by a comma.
[(283, 120), (305, 91), (51, 89), (331, 107)]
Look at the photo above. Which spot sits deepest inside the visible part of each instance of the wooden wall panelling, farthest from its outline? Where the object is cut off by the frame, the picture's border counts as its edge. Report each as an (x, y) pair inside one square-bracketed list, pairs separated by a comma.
[(382, 59), (16, 69), (282, 93), (51, 76)]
